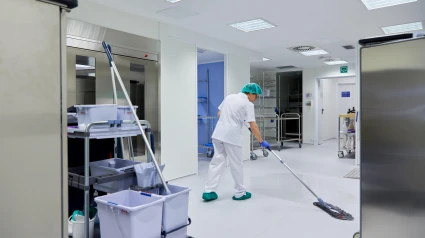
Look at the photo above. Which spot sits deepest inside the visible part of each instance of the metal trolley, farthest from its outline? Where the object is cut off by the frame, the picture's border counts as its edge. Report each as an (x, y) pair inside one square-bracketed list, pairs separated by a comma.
[(262, 121), (268, 123), (210, 122), (291, 116), (349, 132), (80, 177)]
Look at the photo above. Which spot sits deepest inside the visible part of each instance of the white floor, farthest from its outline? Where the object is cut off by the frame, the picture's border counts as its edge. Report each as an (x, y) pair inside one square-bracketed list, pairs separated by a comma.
[(280, 206)]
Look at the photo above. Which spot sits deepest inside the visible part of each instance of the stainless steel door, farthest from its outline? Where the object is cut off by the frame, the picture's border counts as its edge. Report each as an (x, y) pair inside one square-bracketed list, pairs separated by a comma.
[(31, 120), (145, 72), (392, 140), (103, 88)]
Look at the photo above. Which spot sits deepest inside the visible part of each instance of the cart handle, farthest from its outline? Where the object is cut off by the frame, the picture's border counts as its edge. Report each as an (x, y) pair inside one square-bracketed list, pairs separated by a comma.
[(165, 233)]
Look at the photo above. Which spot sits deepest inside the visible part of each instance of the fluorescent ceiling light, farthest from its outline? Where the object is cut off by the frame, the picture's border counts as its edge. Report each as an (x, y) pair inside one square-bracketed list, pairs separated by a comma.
[(336, 62), (265, 59), (375, 4), (253, 25), (409, 27), (173, 1), (313, 52)]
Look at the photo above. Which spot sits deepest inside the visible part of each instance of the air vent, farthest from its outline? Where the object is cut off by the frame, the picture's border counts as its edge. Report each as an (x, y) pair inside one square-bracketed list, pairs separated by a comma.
[(303, 48), (349, 47), (286, 67), (201, 50), (308, 50)]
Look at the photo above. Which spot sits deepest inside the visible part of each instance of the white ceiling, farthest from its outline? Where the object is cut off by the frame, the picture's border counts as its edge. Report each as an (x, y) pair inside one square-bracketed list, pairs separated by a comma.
[(209, 56), (328, 24)]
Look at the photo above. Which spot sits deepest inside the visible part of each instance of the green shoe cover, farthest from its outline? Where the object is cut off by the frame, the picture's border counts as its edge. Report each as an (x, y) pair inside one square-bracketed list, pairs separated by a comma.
[(209, 196), (247, 195)]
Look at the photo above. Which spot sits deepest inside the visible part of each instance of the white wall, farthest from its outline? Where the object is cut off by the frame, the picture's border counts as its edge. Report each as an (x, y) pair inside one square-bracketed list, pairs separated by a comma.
[(237, 75), (310, 77), (179, 127)]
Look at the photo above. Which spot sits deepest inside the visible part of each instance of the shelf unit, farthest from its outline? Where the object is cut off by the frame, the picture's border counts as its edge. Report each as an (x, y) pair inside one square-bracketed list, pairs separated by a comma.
[(266, 107), (209, 120)]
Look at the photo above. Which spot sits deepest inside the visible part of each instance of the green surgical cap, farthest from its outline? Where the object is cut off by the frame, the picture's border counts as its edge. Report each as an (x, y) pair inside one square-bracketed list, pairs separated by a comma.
[(252, 88)]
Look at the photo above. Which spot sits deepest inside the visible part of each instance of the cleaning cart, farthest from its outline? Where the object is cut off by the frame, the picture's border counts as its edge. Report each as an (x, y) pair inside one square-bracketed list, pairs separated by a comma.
[(112, 121)]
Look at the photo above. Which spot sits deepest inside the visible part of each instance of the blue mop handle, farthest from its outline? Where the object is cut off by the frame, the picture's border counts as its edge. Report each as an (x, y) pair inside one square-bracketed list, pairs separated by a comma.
[(323, 202), (108, 52), (112, 56)]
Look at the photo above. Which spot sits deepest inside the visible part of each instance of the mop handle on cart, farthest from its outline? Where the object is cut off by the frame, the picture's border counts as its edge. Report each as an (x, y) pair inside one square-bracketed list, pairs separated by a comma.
[(113, 75), (145, 139)]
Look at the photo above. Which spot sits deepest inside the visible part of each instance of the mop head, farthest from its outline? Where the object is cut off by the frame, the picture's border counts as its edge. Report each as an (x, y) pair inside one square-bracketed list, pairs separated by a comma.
[(334, 211)]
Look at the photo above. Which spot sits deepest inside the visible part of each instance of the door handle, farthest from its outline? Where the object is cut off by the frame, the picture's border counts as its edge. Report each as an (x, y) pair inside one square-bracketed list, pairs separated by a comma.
[(323, 110)]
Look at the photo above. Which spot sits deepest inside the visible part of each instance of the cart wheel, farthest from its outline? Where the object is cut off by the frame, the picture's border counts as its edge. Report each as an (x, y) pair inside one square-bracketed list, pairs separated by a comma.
[(300, 145), (341, 154), (279, 148), (210, 153), (253, 156), (356, 235), (265, 153)]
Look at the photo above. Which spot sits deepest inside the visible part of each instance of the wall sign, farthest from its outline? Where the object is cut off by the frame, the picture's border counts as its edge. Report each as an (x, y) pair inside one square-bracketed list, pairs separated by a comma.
[(344, 69), (308, 95), (345, 94)]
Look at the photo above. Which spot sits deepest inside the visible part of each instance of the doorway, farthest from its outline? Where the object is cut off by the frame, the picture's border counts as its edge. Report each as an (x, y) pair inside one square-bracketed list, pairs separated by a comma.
[(335, 97), (210, 96), (328, 114), (290, 105)]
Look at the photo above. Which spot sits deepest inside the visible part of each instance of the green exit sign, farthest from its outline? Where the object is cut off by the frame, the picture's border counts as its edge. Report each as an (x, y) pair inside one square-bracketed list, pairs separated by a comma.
[(344, 69)]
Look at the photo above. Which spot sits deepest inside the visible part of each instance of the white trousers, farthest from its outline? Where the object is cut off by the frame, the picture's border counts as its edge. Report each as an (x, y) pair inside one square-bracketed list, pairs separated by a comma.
[(233, 154)]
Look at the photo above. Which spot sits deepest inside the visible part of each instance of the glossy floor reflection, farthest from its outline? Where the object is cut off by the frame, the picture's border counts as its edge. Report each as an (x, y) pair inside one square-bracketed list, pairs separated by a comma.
[(280, 206)]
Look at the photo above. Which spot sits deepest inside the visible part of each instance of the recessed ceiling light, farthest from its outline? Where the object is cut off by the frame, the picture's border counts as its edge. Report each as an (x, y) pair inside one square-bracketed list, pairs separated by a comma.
[(81, 66), (265, 59), (313, 52), (173, 1), (253, 25), (335, 62), (375, 4), (409, 27)]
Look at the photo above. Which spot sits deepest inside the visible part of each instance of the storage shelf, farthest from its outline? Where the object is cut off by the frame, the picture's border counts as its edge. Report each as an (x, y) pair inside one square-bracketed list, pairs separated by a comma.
[(105, 133)]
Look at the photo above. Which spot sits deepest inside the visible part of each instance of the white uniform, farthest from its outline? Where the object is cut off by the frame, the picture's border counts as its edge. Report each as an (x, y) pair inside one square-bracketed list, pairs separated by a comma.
[(227, 140)]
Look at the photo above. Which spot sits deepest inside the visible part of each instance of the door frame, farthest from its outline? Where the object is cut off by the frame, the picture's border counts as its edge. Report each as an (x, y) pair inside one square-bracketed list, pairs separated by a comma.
[(318, 100)]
